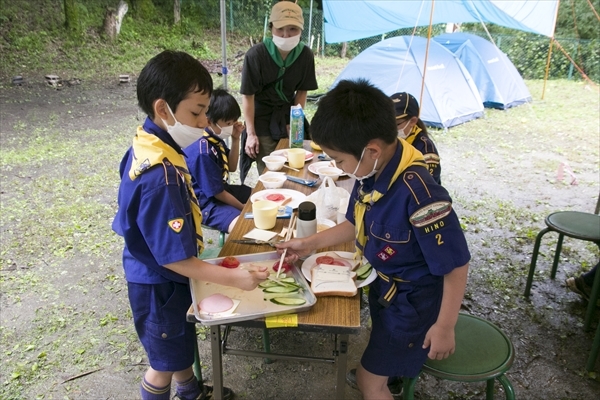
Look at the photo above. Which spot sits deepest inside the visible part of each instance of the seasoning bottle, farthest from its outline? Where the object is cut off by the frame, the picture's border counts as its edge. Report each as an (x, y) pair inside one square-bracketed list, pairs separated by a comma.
[(307, 219)]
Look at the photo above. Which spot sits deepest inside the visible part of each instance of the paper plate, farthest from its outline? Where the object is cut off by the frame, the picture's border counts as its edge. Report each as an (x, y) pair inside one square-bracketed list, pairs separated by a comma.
[(283, 152), (311, 261), (297, 197)]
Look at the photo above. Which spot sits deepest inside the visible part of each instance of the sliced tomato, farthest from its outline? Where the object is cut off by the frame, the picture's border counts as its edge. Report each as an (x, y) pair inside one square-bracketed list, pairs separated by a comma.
[(339, 262), (275, 197), (230, 262), (285, 267), (325, 260)]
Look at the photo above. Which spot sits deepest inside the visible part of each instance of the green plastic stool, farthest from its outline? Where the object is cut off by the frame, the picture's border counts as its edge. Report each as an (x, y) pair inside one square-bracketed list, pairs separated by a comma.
[(483, 353)]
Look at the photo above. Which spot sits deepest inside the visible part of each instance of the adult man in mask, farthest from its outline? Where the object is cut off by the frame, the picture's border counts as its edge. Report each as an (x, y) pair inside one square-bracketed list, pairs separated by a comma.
[(277, 74)]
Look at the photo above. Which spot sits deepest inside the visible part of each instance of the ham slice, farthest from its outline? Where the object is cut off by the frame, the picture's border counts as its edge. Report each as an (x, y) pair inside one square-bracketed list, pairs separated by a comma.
[(215, 303)]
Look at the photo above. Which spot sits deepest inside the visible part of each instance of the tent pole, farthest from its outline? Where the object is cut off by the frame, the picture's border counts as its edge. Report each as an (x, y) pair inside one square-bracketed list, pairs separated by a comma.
[(224, 42), (550, 50), (426, 54), (308, 38)]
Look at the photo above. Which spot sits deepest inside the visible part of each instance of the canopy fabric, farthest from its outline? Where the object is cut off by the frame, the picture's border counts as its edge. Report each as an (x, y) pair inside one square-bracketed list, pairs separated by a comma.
[(500, 84), (450, 96), (352, 20)]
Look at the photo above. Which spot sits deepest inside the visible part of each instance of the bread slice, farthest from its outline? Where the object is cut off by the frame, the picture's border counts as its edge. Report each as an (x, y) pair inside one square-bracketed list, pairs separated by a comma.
[(333, 280)]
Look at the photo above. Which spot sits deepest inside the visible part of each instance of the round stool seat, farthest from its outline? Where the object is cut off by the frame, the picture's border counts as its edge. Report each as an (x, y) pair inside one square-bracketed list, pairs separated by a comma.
[(580, 225), (482, 352)]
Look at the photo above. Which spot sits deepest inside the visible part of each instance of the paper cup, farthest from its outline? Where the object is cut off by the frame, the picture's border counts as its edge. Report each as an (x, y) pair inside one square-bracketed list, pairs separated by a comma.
[(296, 157), (265, 214)]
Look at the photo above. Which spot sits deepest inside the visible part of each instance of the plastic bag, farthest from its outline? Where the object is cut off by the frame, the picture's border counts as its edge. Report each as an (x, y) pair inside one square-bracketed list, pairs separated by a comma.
[(327, 199)]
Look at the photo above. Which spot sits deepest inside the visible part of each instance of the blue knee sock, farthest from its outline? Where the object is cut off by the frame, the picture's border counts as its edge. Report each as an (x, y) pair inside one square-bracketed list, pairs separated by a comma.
[(189, 389), (150, 392)]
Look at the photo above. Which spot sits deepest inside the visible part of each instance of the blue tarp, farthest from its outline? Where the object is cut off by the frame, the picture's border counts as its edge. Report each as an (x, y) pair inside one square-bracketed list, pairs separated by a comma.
[(450, 96), (500, 84), (352, 20)]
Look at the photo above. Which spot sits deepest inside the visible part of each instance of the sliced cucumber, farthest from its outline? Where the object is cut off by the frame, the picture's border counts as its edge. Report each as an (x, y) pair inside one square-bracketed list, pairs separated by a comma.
[(288, 301), (363, 270), (281, 289), (289, 279), (269, 296), (365, 275), (266, 284)]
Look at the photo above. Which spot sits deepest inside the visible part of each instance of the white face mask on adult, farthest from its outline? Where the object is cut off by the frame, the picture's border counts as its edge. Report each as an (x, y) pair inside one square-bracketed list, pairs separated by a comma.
[(370, 174), (183, 135), (286, 44), (226, 132)]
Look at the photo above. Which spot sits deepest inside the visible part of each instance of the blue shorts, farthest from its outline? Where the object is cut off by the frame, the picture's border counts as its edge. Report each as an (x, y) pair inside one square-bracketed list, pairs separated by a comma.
[(219, 215), (159, 313), (398, 333)]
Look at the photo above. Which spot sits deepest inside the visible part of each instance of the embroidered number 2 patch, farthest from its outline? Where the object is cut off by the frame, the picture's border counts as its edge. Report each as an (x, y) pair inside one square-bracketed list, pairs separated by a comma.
[(176, 224)]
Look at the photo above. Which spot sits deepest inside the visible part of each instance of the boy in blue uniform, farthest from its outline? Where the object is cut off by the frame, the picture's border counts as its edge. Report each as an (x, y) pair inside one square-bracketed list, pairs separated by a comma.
[(210, 162), (413, 130), (159, 219), (404, 224)]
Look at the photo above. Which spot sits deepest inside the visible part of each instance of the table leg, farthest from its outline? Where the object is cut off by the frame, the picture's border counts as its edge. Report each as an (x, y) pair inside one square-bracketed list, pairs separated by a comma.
[(342, 361), (217, 361)]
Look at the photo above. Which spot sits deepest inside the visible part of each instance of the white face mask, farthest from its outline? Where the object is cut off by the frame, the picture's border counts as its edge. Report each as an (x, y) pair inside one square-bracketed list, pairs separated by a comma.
[(183, 135), (401, 132), (226, 132), (370, 174), (286, 44)]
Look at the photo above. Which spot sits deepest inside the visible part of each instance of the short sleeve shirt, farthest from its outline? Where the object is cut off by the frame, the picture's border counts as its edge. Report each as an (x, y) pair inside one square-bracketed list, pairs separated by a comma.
[(432, 157), (148, 206), (412, 230), (205, 163)]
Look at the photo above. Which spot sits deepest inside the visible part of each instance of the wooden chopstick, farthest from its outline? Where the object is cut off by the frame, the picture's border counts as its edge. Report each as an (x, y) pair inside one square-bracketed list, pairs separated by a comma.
[(288, 234), (293, 169)]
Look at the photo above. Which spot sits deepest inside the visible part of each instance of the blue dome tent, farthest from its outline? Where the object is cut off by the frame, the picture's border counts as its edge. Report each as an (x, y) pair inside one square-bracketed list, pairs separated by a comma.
[(500, 84), (450, 96)]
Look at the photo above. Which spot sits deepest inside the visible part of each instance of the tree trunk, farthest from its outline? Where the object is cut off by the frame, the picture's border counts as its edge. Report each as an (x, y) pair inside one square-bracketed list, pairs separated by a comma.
[(110, 23), (177, 12), (344, 50), (71, 15)]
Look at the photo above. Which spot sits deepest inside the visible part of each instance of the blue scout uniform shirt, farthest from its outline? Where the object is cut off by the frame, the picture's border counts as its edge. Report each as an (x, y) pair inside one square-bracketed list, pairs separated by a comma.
[(412, 230), (205, 163), (430, 153), (148, 206)]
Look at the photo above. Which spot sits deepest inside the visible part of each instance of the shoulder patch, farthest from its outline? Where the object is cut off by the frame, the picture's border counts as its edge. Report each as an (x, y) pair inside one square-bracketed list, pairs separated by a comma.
[(431, 213), (141, 167), (176, 224), (214, 151), (431, 158)]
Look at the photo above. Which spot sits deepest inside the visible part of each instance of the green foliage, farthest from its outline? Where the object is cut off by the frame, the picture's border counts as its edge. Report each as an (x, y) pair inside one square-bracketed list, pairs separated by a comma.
[(576, 19)]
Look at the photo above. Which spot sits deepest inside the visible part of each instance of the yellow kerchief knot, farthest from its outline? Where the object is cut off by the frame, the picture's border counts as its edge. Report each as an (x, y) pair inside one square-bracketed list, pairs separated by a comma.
[(410, 156), (149, 150), (413, 134), (219, 144), (282, 321)]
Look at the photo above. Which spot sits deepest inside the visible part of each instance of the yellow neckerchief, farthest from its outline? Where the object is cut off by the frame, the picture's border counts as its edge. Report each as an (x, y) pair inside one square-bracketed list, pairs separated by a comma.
[(219, 143), (413, 134), (149, 150), (410, 156)]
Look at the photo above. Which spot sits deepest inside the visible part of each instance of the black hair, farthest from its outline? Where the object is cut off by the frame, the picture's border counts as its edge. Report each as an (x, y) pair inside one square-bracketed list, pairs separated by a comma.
[(351, 115), (171, 76), (223, 106)]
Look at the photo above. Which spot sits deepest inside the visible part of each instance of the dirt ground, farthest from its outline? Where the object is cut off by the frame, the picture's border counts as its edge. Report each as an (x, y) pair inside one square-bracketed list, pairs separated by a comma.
[(496, 184)]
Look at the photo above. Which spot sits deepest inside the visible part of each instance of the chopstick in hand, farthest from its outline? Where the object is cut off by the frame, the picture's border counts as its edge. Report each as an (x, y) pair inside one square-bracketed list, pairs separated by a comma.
[(288, 235)]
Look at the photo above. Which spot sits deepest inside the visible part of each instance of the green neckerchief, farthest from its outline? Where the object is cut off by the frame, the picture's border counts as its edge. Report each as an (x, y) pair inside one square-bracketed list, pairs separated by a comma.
[(289, 60)]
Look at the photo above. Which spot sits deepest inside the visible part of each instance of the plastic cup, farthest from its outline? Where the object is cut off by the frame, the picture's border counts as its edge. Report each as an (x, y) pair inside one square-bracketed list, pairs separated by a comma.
[(296, 157), (265, 214)]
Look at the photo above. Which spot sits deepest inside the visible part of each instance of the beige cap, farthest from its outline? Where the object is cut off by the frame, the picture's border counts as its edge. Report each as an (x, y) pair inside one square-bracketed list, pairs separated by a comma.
[(286, 13)]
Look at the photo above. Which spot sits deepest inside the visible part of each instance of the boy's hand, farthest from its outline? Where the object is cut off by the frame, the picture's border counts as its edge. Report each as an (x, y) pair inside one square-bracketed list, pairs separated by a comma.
[(238, 127), (441, 341), (250, 277), (297, 248)]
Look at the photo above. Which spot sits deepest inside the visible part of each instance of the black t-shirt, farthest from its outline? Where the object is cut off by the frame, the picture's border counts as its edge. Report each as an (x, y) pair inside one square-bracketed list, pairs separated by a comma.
[(260, 71)]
